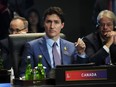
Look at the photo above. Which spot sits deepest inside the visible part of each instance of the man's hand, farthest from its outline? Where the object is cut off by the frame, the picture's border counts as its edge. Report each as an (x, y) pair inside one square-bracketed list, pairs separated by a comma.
[(111, 38), (80, 45)]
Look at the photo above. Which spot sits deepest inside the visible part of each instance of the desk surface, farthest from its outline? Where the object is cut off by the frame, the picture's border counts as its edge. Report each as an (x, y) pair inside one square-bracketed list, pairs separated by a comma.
[(11, 85), (33, 86), (73, 85)]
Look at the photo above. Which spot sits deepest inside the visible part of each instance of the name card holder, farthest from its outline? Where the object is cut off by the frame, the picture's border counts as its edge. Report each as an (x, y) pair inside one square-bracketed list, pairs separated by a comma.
[(76, 74)]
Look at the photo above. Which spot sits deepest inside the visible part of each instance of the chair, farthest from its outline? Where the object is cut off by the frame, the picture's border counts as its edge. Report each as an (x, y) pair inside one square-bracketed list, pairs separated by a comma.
[(16, 43)]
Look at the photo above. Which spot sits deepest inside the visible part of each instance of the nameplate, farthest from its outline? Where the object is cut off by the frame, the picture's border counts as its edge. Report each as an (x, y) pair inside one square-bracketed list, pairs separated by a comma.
[(80, 75), (85, 74)]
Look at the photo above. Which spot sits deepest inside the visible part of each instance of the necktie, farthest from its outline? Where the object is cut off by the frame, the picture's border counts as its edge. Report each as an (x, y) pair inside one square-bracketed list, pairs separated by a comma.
[(107, 60), (56, 55)]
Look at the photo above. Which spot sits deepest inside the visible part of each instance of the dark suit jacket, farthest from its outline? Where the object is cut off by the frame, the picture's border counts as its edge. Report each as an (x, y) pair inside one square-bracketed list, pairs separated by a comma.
[(4, 46), (95, 49), (5, 18), (38, 47)]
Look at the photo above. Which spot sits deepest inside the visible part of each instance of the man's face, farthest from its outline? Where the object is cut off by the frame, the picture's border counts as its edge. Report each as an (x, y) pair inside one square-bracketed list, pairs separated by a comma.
[(17, 27), (53, 25), (106, 25)]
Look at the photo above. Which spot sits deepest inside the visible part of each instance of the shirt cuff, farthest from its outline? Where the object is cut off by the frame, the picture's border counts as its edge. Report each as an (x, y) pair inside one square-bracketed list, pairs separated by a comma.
[(106, 48), (82, 55)]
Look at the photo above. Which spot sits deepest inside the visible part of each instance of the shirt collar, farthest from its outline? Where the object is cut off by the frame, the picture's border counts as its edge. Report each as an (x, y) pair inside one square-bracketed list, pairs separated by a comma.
[(50, 42)]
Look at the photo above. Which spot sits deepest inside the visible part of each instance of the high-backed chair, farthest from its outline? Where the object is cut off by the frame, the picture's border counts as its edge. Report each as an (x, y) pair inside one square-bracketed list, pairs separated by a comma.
[(16, 43)]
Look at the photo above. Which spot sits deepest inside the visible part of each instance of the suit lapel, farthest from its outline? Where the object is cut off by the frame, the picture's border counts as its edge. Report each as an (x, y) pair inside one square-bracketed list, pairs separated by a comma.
[(44, 50), (64, 53), (95, 40)]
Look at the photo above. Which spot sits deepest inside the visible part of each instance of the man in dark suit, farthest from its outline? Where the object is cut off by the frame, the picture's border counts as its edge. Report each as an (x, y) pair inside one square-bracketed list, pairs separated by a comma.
[(42, 47), (18, 25), (101, 45)]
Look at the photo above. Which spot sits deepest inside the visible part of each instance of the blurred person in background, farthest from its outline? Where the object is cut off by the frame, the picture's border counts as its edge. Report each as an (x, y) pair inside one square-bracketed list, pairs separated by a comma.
[(34, 20)]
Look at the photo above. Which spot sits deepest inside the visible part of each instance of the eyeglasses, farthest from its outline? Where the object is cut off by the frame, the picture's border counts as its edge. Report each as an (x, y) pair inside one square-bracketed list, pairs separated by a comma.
[(106, 24), (16, 30)]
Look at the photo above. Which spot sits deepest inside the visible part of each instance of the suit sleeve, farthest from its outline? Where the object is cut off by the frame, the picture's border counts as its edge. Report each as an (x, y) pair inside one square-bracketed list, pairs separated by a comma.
[(27, 52), (96, 54), (77, 59)]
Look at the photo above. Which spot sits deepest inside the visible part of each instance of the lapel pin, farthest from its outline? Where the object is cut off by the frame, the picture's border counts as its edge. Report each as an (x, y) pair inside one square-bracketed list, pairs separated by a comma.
[(65, 48)]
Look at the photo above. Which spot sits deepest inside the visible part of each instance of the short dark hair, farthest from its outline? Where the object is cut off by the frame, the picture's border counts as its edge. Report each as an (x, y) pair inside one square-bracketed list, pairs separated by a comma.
[(54, 10)]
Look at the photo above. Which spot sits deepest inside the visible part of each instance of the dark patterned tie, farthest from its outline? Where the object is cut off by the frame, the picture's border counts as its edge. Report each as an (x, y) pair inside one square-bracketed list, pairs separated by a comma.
[(56, 56), (107, 59)]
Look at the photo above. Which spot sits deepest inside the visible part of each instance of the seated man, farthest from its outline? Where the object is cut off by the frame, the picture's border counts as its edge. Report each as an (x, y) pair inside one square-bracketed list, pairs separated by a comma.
[(101, 45), (44, 46), (18, 25)]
